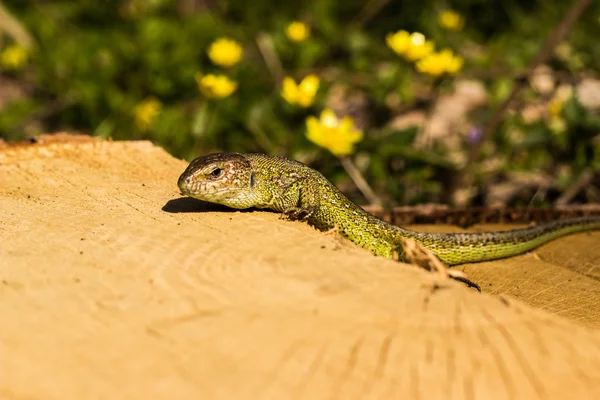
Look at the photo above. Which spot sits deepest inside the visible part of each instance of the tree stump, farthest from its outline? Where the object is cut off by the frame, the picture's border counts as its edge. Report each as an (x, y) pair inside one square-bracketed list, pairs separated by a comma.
[(112, 286)]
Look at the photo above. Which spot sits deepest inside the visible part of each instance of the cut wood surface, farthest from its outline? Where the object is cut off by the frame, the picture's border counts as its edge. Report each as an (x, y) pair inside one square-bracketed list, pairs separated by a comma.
[(112, 286)]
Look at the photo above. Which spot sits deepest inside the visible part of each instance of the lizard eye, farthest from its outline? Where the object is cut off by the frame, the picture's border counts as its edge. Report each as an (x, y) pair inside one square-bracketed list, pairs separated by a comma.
[(215, 173)]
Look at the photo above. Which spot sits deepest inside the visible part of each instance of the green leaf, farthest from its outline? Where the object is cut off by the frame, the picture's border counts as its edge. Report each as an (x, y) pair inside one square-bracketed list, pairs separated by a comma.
[(573, 111)]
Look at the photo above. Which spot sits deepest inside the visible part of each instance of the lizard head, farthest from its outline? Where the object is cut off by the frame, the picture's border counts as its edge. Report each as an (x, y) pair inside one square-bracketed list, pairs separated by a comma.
[(222, 178)]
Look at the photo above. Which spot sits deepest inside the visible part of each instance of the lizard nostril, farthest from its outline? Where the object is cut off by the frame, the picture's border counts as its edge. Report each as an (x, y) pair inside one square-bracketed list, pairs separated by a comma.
[(183, 182)]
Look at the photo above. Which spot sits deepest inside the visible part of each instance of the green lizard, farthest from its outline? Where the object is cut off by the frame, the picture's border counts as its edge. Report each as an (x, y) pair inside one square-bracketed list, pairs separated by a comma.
[(301, 193)]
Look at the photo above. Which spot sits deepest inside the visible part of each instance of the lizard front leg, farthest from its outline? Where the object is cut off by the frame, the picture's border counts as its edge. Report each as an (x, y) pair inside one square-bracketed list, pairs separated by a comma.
[(299, 213), (302, 201)]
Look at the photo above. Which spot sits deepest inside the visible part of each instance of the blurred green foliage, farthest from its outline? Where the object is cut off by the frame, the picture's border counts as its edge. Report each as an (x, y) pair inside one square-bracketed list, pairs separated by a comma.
[(95, 66)]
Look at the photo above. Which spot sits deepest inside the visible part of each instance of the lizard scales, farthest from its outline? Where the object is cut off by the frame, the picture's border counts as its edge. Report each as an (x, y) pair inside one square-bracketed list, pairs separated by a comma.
[(268, 182)]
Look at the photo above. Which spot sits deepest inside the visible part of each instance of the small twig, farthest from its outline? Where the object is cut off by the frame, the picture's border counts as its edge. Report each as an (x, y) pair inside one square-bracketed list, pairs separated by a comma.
[(429, 112), (540, 193), (584, 179), (267, 50), (360, 181), (555, 37)]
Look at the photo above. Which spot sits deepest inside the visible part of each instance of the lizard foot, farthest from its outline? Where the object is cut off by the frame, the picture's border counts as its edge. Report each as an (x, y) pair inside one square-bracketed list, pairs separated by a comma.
[(298, 213)]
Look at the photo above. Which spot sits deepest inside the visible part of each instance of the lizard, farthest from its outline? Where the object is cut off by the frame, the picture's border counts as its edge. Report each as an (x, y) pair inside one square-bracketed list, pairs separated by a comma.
[(254, 180)]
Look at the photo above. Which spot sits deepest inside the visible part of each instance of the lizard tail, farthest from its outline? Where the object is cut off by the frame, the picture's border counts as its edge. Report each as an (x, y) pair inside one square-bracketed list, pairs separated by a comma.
[(460, 248)]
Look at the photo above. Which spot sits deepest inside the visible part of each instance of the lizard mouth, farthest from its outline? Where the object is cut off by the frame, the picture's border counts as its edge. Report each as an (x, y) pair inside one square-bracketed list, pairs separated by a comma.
[(200, 190), (185, 185)]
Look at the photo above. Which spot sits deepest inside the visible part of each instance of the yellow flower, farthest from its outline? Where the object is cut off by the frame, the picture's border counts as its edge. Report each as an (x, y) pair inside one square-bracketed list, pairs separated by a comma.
[(297, 31), (337, 136), (302, 94), (215, 86), (146, 112), (225, 52), (411, 46), (13, 57), (451, 20), (398, 41), (438, 64), (555, 107)]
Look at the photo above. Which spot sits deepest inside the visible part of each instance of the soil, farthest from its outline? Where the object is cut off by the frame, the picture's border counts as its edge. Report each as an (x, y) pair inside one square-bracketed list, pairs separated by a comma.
[(114, 286)]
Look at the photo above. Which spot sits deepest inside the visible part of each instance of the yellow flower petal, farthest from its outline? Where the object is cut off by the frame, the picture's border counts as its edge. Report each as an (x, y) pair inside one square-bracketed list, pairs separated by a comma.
[(302, 94), (146, 112), (337, 136), (438, 64), (555, 107), (399, 42), (13, 57), (289, 90), (312, 128), (297, 31), (329, 119), (310, 84), (225, 52), (215, 86), (451, 20), (419, 47), (412, 46)]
